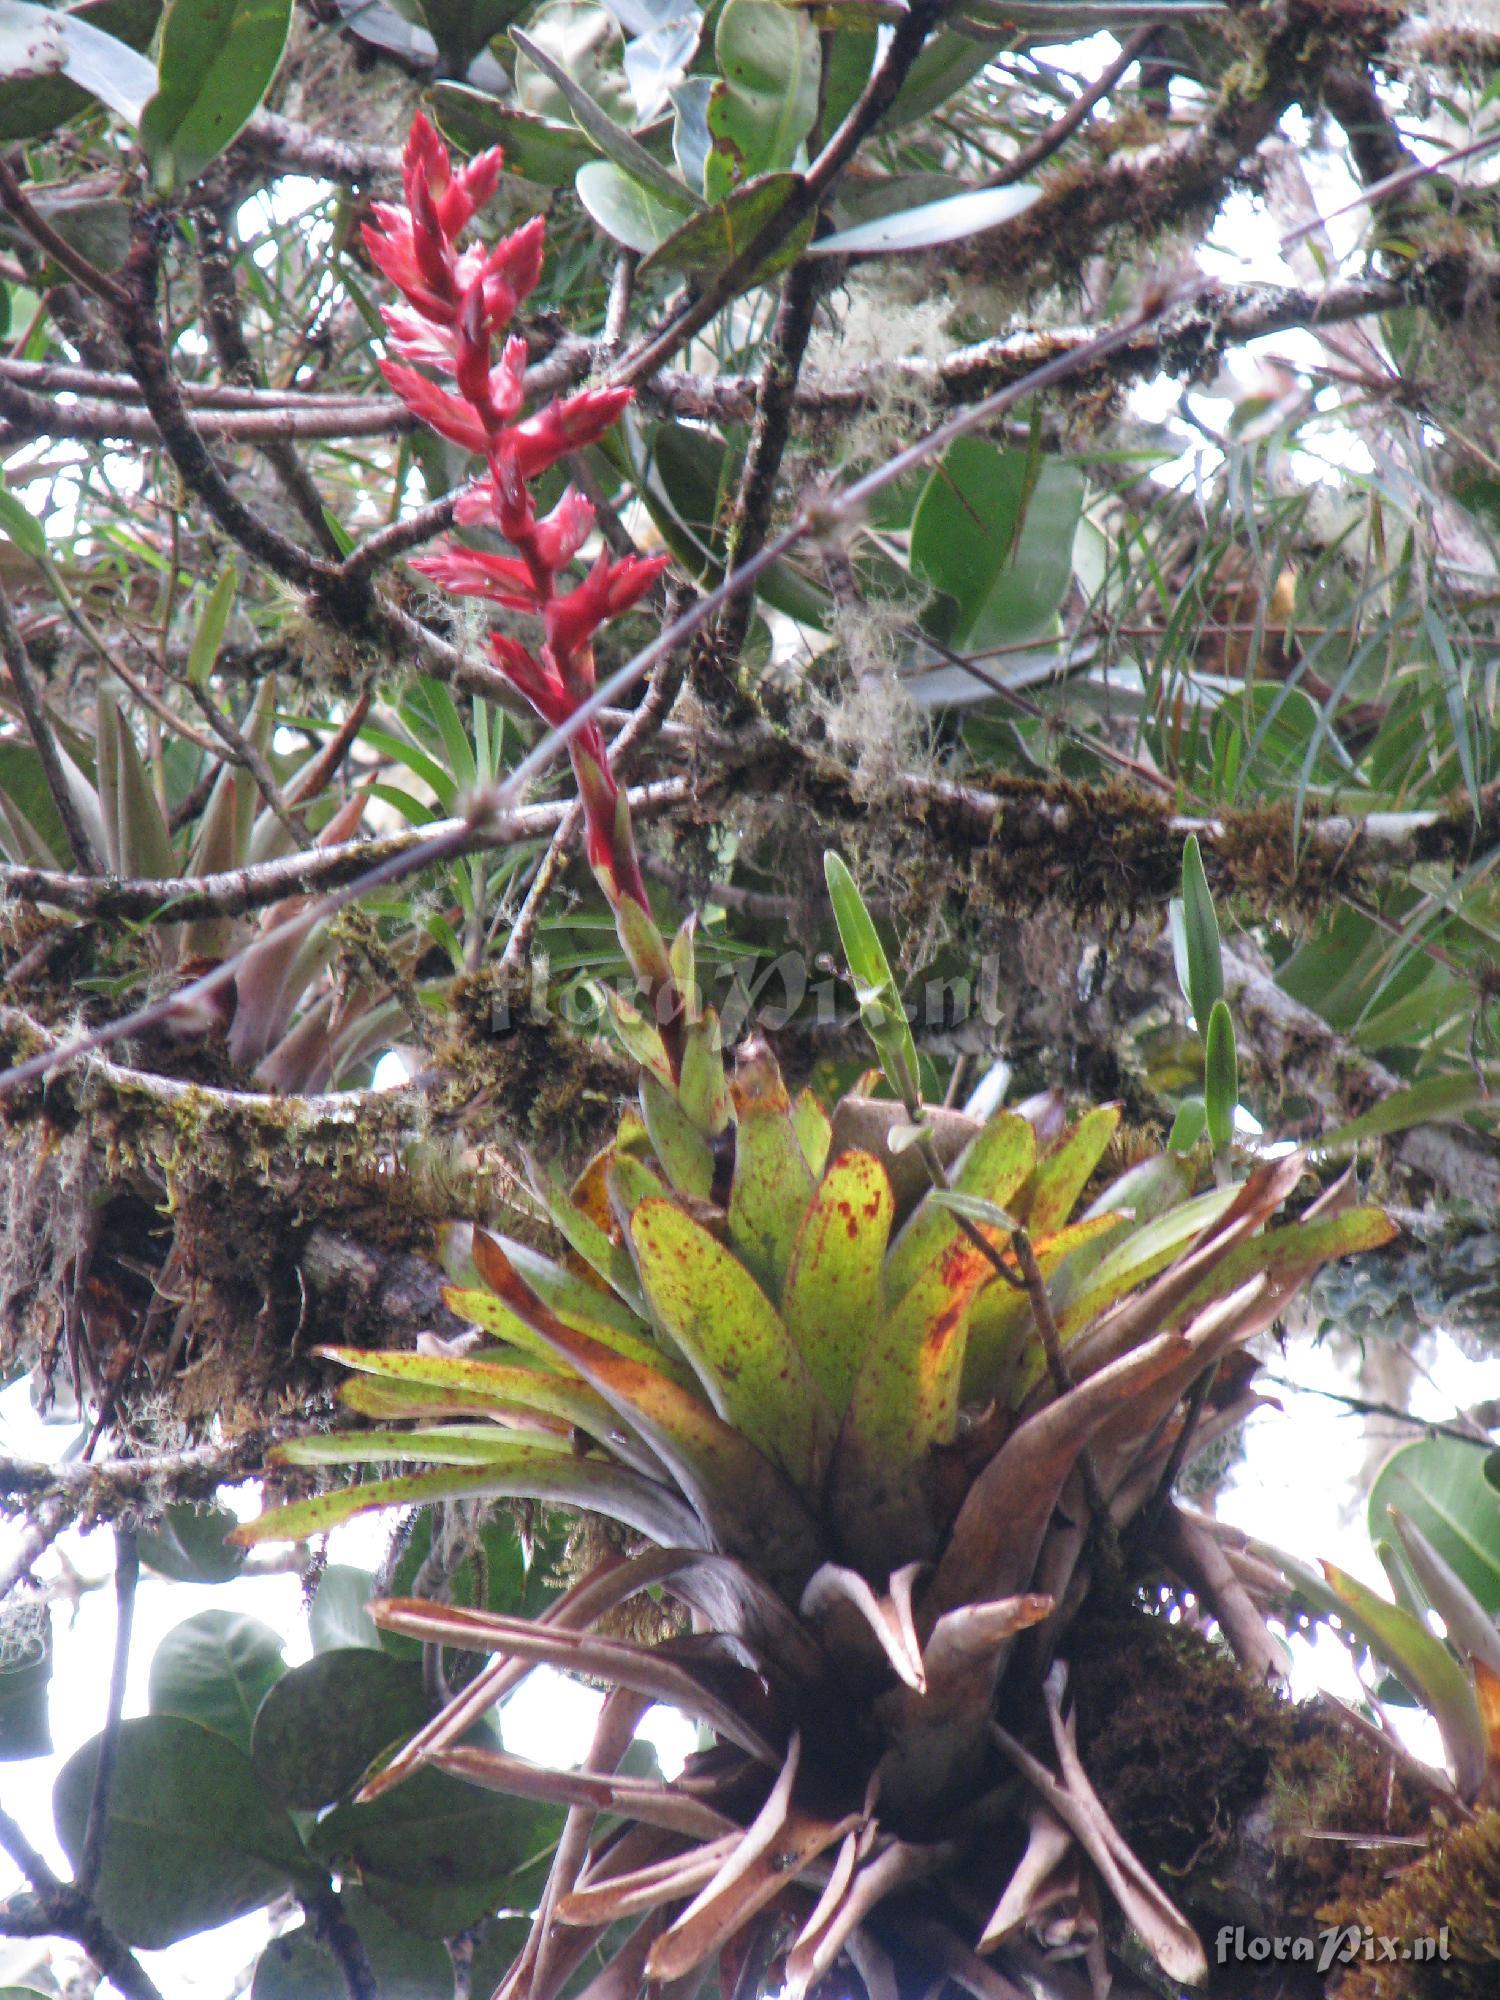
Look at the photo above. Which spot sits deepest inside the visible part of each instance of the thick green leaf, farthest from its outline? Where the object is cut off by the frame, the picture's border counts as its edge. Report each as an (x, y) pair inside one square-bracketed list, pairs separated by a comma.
[(460, 1385), (190, 1841), (295, 1966), (1188, 1126), (814, 1129), (676, 1140), (536, 148), (337, 1615), (708, 243), (438, 1444), (945, 65), (765, 100), (574, 1296), (1437, 1097), (1195, 938), (216, 1669), (511, 1319), (1221, 1078), (993, 532), (135, 830), (436, 1854), (954, 219), (709, 1304), (188, 1545), (702, 1090), (1438, 1484), (1404, 1643), (524, 1474), (833, 1285), (323, 1724), (209, 635), (216, 64)]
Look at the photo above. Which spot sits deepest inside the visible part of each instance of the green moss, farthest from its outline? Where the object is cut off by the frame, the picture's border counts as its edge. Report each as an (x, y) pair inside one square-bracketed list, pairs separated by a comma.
[(1453, 1889)]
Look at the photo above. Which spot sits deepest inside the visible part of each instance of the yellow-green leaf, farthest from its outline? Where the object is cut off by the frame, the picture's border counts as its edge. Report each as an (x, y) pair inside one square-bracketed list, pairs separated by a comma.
[(814, 1129), (1001, 1321), (525, 1474), (770, 1192), (708, 1303), (1061, 1175), (704, 1090), (502, 1385), (676, 1141), (992, 1166), (833, 1285)]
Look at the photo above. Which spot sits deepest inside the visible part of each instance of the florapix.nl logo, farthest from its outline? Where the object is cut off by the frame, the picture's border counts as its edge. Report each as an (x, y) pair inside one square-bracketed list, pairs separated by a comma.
[(1338, 1944)]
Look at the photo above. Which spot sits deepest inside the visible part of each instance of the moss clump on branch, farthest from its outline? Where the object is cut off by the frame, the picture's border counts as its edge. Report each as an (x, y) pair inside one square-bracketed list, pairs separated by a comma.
[(1455, 1886)]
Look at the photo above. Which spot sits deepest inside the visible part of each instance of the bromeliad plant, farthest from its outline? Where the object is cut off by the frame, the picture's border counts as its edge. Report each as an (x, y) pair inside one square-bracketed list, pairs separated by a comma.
[(878, 1393)]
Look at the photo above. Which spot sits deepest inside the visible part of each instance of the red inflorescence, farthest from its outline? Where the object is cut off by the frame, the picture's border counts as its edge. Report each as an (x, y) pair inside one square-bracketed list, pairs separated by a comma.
[(458, 304)]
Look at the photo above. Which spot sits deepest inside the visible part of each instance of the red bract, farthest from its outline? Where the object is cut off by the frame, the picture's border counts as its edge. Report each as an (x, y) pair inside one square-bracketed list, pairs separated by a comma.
[(458, 303)]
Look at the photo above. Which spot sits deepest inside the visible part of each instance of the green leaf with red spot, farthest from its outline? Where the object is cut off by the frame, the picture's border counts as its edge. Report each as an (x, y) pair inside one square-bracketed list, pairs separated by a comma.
[(711, 1307), (569, 1293), (592, 1243), (1001, 1320), (833, 1285), (1061, 1176), (676, 1141), (992, 1167), (1142, 1254), (905, 1396), (770, 1192)]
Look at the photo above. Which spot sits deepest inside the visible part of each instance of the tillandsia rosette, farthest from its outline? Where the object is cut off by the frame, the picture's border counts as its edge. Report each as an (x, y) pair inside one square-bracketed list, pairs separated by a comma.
[(878, 1394)]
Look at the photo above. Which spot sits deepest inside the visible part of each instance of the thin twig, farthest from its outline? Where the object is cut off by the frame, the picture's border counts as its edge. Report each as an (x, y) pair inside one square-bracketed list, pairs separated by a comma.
[(46, 238), (1067, 122)]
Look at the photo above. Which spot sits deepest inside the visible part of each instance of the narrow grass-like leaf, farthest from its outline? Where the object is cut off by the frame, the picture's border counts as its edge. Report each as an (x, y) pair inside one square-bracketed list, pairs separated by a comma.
[(874, 983)]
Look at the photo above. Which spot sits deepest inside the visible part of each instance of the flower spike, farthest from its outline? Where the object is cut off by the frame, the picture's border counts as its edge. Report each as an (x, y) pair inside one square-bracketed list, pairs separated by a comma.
[(458, 303)]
